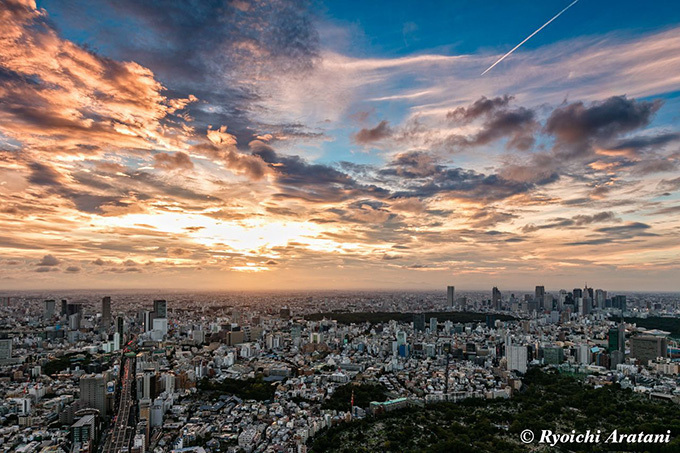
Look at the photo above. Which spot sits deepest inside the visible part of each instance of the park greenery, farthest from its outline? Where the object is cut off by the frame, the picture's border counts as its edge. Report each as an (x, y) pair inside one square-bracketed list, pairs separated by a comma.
[(341, 398), (548, 401), (60, 364), (248, 389), (666, 323)]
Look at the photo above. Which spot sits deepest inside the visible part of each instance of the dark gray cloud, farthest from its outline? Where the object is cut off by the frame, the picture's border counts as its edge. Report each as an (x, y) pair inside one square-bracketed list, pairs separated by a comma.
[(481, 106), (420, 176), (368, 136), (48, 260), (575, 221), (517, 125), (577, 123), (613, 234), (43, 175), (213, 49), (297, 178), (644, 142)]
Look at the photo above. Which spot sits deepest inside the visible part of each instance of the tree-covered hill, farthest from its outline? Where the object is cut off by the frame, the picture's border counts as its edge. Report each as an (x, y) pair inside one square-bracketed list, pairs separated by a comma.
[(548, 401)]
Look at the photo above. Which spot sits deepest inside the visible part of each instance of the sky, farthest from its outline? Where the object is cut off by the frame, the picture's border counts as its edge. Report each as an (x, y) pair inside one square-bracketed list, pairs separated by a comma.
[(276, 145)]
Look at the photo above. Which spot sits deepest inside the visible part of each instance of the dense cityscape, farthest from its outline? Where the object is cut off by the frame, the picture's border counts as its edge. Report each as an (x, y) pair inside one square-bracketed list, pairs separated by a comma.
[(318, 226), (210, 372)]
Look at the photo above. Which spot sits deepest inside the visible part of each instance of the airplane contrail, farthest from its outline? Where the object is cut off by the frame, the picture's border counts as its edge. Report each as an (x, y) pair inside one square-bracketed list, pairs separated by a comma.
[(529, 37)]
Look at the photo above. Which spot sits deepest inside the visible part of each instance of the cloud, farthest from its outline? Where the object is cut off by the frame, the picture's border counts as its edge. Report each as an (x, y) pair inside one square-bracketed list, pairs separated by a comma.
[(378, 133), (48, 260), (482, 106), (60, 97), (297, 178), (176, 161), (579, 220), (577, 124)]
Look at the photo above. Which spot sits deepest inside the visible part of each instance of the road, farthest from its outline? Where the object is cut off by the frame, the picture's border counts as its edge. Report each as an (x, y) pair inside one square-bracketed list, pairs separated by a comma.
[(122, 431)]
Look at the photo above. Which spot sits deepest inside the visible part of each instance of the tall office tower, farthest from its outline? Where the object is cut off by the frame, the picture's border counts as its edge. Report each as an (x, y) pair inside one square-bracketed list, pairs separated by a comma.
[(433, 325), (619, 302), (419, 322), (600, 298), (106, 312), (160, 308), (617, 339), (146, 319), (648, 347), (450, 295), (93, 391), (588, 292), (585, 306), (50, 305), (578, 292), (64, 307), (539, 297), (5, 349), (74, 321), (496, 298), (516, 358), (150, 384), (73, 309), (120, 326)]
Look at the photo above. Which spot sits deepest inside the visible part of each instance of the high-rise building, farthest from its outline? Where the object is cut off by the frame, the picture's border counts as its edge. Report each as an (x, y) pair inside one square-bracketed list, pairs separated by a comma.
[(106, 312), (539, 297), (516, 358), (93, 391), (64, 307), (433, 325), (120, 326), (600, 298), (648, 347), (553, 355), (84, 430), (588, 292), (50, 306), (73, 309), (496, 298), (617, 339), (450, 295), (578, 292), (5, 349), (160, 308), (419, 322), (619, 302)]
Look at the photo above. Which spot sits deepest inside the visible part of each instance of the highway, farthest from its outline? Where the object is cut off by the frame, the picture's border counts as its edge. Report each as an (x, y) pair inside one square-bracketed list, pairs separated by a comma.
[(122, 432)]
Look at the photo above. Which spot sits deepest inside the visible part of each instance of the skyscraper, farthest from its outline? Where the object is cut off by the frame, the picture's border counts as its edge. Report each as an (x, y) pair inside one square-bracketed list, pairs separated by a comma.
[(648, 347), (617, 339), (600, 298), (120, 326), (160, 308), (516, 357), (93, 391), (539, 296), (450, 295), (419, 322), (106, 312), (496, 298), (50, 305), (5, 349)]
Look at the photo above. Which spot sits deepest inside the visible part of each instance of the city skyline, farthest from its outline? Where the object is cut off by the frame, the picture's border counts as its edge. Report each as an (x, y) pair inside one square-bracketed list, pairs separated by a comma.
[(308, 145)]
